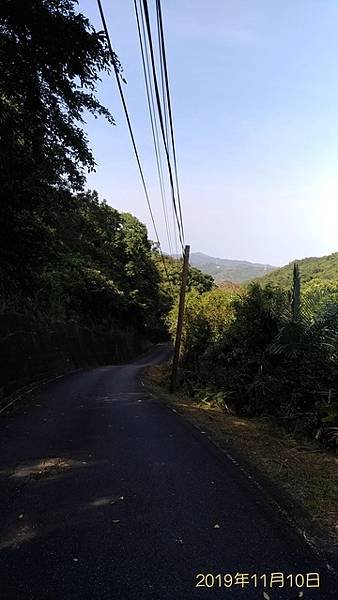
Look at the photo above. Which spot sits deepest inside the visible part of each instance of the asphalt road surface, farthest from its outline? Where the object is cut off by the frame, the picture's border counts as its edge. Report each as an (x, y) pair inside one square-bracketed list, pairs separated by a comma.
[(108, 495)]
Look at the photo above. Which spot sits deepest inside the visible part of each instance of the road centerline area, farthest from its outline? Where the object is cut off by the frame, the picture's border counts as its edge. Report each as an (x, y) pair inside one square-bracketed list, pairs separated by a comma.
[(106, 494)]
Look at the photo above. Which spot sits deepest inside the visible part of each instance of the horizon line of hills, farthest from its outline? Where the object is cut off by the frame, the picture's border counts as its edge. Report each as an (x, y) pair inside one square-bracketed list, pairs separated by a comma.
[(242, 271)]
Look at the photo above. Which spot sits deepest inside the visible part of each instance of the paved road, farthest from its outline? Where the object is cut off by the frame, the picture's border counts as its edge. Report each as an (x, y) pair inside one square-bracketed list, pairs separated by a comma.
[(107, 495)]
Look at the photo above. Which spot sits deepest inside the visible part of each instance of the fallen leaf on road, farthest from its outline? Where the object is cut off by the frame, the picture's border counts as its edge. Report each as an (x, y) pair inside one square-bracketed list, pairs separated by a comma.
[(216, 526)]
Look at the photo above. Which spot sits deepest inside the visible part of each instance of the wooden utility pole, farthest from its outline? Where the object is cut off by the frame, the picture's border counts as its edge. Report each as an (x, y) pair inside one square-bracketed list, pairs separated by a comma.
[(180, 319)]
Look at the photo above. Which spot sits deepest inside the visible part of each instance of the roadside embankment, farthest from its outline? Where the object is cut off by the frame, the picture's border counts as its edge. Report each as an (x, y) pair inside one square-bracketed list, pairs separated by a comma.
[(32, 350), (299, 469)]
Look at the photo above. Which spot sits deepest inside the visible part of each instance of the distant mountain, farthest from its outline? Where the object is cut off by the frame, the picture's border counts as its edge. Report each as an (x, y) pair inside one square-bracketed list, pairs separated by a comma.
[(225, 269), (323, 267)]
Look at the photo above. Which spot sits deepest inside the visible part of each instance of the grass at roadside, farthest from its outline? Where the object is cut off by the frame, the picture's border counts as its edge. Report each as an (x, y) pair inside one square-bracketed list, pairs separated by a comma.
[(301, 467)]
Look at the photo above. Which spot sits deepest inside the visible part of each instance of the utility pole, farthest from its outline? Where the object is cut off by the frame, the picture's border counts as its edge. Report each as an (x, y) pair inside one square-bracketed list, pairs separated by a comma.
[(180, 319)]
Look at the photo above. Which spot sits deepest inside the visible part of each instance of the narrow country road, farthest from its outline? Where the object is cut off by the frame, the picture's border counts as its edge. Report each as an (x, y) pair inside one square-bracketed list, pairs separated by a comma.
[(108, 495)]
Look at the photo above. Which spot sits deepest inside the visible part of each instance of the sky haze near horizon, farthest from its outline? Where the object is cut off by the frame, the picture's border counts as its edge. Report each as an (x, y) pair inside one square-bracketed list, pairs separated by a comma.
[(254, 88)]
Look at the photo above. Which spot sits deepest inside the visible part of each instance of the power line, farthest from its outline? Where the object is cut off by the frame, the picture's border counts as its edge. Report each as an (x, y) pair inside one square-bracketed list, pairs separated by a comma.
[(158, 101), (117, 76), (151, 107), (142, 19), (167, 89), (175, 232), (164, 103), (162, 82)]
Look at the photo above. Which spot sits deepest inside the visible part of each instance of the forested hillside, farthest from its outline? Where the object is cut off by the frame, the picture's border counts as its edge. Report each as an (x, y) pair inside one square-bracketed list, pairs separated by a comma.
[(264, 349), (224, 269), (65, 255), (324, 268), (68, 257)]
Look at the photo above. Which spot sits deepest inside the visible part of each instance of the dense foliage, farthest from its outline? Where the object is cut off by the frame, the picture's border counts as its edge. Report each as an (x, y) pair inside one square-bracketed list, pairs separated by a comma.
[(100, 269), (263, 349), (170, 270), (51, 58), (322, 268), (50, 63), (64, 254)]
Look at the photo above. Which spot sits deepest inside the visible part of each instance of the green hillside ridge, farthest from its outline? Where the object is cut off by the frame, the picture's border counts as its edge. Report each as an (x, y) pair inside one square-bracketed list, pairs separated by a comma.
[(224, 269), (323, 268)]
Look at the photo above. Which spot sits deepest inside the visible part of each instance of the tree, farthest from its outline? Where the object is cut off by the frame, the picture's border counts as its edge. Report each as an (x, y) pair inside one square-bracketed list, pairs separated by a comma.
[(319, 294), (142, 278), (51, 58), (171, 274), (295, 301)]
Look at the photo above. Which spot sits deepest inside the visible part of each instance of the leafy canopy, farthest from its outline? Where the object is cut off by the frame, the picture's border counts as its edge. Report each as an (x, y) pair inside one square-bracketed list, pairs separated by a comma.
[(51, 58)]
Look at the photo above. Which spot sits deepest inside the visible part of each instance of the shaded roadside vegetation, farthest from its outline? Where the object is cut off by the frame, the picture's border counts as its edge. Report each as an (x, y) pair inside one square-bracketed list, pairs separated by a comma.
[(266, 351), (81, 284), (259, 377), (66, 255)]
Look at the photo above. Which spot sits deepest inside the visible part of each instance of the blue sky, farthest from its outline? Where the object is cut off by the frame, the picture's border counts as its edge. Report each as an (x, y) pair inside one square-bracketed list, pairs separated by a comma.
[(254, 88)]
